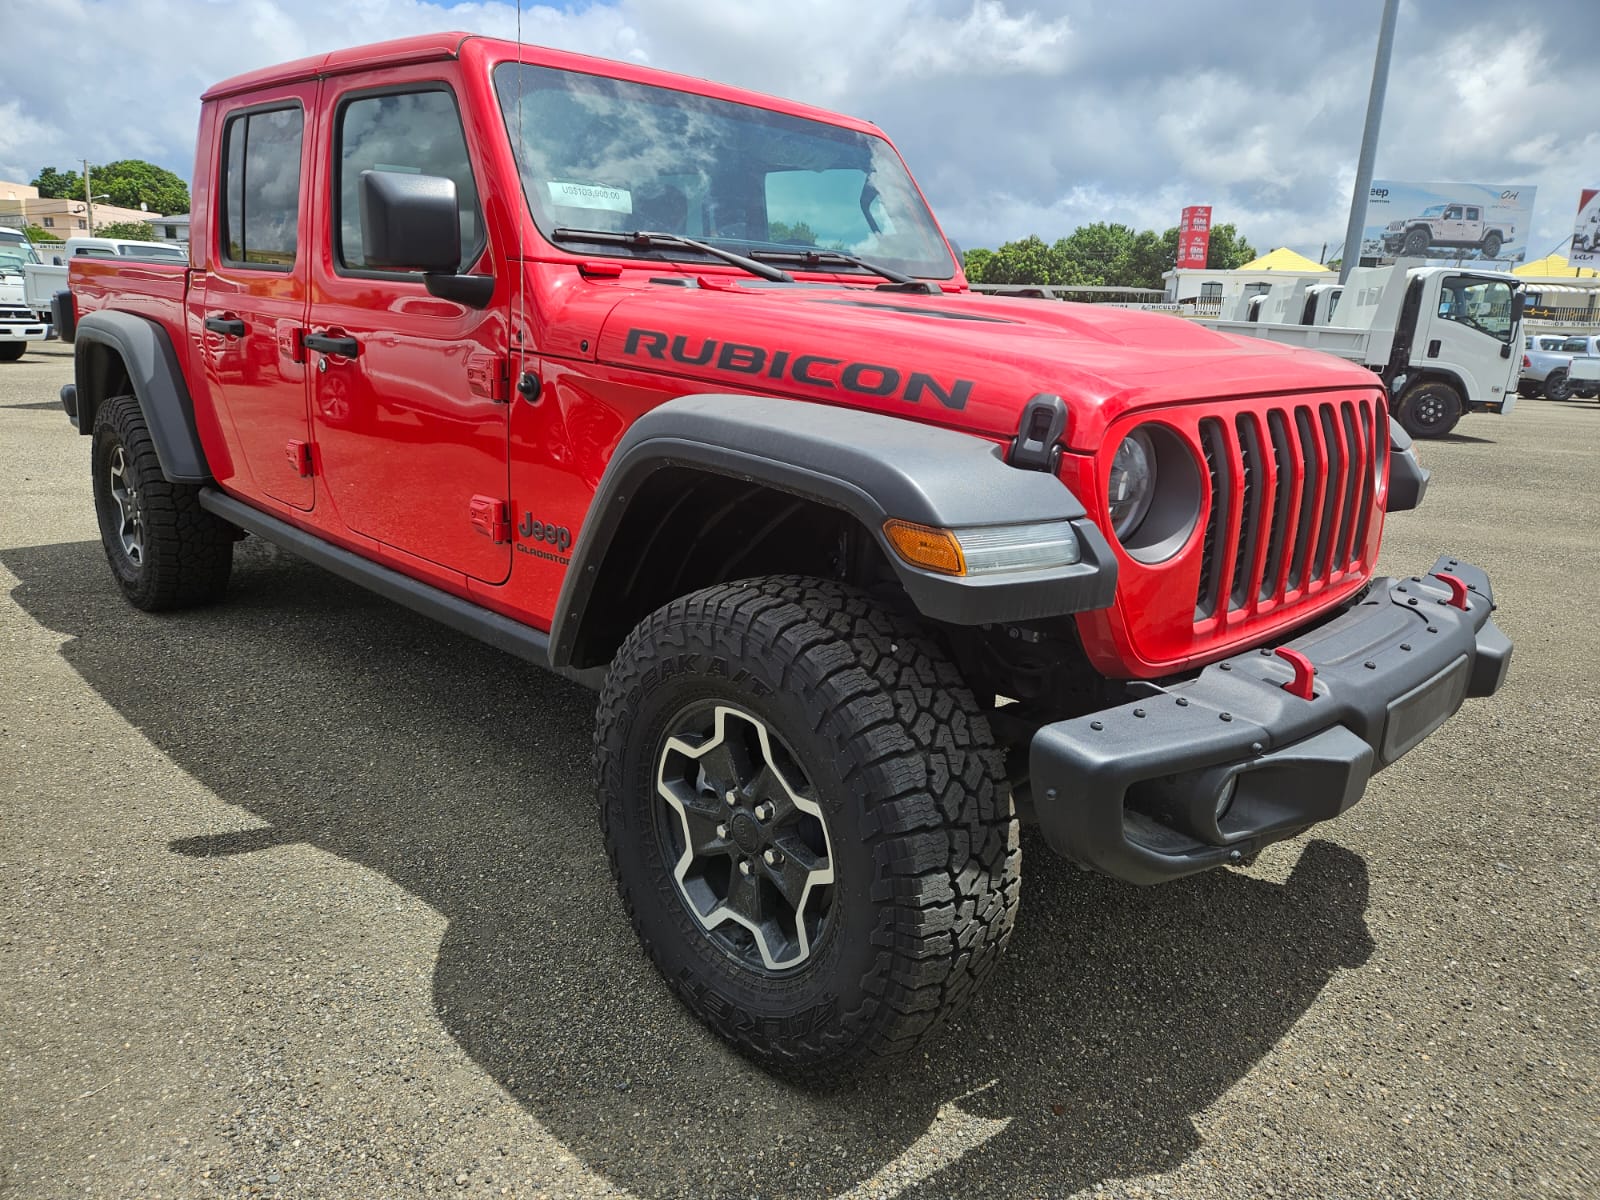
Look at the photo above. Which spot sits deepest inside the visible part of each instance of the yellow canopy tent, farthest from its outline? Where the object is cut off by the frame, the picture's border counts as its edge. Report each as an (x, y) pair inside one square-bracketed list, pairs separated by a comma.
[(1282, 259)]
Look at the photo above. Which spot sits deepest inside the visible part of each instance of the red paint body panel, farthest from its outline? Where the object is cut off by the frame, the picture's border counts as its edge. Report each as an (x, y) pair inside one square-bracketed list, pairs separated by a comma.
[(416, 440)]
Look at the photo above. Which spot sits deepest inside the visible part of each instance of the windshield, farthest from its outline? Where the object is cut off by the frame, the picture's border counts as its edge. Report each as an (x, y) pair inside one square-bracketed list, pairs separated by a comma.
[(604, 154), (1433, 210), (14, 252), (1484, 304)]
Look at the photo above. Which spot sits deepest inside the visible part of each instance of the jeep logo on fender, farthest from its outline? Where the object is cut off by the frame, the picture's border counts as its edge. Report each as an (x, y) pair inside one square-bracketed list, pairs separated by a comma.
[(817, 370)]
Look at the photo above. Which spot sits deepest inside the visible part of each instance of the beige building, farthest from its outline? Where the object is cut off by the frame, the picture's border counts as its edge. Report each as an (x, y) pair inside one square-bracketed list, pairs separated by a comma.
[(21, 204)]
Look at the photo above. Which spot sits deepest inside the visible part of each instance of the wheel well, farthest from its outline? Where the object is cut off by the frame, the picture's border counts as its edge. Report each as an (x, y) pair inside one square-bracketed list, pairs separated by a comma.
[(101, 374), (687, 529), (1446, 377)]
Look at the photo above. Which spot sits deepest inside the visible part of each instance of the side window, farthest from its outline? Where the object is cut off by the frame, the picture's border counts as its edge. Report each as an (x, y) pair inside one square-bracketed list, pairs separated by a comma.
[(1472, 214), (1211, 290), (261, 188), (415, 133)]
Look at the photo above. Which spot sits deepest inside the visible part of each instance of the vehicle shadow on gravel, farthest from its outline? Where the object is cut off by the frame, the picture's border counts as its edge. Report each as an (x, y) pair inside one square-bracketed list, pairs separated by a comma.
[(344, 722)]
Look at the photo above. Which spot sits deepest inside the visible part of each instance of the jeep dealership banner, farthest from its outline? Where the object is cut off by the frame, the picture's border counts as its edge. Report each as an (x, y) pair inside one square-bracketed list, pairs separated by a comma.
[(1194, 236), (1586, 233), (1448, 222)]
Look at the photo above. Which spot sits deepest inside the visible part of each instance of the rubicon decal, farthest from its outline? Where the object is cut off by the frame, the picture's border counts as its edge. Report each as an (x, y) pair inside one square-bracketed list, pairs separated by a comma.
[(817, 370)]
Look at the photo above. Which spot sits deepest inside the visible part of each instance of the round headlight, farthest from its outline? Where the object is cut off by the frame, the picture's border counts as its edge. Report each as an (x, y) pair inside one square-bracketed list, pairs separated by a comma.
[(1132, 483)]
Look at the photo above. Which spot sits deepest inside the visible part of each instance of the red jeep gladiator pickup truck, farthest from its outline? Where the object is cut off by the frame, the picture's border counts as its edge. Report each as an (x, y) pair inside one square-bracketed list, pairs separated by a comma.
[(679, 390)]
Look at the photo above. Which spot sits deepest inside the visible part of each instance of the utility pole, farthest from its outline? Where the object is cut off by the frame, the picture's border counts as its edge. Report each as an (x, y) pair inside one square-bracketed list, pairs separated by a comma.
[(1369, 141), (88, 196)]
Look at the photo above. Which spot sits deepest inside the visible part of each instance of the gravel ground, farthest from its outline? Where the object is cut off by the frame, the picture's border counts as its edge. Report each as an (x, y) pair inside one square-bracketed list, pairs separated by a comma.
[(305, 897)]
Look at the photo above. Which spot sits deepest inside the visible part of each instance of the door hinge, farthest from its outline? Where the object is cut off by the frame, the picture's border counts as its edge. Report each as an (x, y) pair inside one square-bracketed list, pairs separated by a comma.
[(489, 376), (299, 453), (491, 517)]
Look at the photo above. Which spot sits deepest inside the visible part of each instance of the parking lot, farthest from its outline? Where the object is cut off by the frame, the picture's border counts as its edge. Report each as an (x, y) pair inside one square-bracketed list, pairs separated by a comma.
[(305, 896)]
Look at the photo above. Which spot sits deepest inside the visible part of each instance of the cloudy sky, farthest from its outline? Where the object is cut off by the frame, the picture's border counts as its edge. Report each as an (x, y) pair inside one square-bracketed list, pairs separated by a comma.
[(1018, 116)]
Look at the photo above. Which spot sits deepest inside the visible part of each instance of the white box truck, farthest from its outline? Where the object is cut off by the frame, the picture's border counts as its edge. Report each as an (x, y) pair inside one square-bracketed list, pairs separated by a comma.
[(1445, 341)]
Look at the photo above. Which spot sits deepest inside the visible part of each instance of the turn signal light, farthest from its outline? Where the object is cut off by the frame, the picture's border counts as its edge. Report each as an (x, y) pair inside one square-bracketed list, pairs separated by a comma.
[(926, 547)]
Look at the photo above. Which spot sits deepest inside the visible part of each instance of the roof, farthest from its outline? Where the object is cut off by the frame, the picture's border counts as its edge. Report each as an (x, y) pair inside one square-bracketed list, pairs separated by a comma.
[(1554, 266), (441, 47), (1282, 259)]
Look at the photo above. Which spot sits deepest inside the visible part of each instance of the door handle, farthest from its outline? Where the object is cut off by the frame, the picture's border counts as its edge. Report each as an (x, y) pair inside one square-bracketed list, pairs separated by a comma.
[(344, 347), (231, 326)]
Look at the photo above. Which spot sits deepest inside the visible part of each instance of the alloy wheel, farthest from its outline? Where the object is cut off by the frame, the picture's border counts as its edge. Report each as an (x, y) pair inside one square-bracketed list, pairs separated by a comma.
[(748, 845)]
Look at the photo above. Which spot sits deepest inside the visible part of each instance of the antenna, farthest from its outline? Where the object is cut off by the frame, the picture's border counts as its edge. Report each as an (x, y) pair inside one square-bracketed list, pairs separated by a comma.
[(518, 214)]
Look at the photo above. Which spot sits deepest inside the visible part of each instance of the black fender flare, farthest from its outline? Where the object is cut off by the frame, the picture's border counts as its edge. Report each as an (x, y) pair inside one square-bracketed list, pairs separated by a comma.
[(868, 465), (147, 356)]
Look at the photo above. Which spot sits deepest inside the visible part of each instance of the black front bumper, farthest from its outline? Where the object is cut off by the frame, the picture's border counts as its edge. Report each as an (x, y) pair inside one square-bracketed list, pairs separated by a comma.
[(1136, 791)]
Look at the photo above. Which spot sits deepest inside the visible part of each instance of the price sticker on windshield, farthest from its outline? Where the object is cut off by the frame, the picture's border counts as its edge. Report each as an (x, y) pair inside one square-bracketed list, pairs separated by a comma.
[(596, 196)]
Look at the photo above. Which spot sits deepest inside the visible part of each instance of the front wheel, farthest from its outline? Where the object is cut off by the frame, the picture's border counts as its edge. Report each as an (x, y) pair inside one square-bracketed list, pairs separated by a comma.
[(807, 818), (11, 351), (1416, 243), (1429, 409), (1557, 386)]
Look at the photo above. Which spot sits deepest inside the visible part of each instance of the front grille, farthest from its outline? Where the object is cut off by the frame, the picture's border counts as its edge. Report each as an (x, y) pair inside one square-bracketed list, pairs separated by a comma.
[(11, 312), (1291, 490)]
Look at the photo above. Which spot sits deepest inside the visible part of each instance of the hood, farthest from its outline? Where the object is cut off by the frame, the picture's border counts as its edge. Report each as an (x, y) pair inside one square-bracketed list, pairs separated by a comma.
[(961, 360)]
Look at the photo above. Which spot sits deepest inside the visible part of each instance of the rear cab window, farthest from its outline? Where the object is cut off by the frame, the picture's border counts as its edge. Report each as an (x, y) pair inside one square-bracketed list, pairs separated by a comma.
[(260, 226)]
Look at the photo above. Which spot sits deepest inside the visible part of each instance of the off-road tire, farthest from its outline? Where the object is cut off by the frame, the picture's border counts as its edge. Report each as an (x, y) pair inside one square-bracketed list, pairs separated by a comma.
[(12, 351), (903, 766), (1429, 409), (1416, 243), (1490, 245), (185, 553), (1557, 386)]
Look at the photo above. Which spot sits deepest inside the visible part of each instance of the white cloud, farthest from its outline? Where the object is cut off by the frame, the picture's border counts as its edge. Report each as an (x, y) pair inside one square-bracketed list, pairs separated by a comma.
[(1018, 116)]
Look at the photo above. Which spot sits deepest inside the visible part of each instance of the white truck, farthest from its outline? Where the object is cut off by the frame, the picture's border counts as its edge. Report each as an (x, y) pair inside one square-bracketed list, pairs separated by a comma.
[(1448, 227), (19, 323), (1444, 341), (41, 281)]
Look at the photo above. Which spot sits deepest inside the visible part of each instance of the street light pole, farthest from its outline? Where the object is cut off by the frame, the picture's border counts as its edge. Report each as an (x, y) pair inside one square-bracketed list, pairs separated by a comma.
[(88, 196), (1369, 141)]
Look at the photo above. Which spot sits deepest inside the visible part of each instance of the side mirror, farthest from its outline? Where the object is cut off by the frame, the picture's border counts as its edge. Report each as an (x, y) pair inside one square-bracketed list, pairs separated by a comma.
[(411, 223), (56, 261)]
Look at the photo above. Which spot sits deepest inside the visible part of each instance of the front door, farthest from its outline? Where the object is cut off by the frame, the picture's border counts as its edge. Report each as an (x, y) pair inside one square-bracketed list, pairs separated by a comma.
[(409, 391), (254, 294)]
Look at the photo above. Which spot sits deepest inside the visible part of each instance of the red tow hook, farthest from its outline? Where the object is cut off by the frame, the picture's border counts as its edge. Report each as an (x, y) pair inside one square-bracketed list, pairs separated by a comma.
[(1458, 589), (1300, 685)]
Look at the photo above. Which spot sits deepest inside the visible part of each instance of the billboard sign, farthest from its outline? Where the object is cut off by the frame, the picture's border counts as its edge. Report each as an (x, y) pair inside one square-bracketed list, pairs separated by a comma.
[(1194, 237), (1586, 233), (1448, 222)]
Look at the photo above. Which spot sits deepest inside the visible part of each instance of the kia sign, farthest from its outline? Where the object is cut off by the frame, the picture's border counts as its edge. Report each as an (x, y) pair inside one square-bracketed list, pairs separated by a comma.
[(1194, 237), (1586, 233), (1448, 222)]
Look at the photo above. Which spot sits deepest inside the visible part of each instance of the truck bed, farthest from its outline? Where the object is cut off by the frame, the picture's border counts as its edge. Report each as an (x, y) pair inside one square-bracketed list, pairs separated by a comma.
[(1352, 344)]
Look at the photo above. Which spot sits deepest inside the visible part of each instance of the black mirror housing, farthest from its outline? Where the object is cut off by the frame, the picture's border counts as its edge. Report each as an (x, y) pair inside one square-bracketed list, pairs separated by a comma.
[(410, 222)]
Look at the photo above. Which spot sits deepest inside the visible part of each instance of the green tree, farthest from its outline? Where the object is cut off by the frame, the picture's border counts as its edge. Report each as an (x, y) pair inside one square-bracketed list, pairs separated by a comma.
[(1148, 259), (1026, 261), (138, 231), (798, 234), (1228, 251), (1095, 255), (38, 233), (59, 185), (975, 262), (130, 182)]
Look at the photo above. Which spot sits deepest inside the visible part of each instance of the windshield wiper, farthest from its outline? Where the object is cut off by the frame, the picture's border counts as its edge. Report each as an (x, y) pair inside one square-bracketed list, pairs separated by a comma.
[(816, 258), (645, 239)]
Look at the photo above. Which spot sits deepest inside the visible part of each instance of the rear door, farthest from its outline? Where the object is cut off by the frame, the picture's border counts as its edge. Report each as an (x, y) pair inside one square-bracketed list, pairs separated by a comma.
[(410, 392), (255, 290)]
